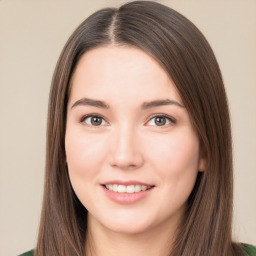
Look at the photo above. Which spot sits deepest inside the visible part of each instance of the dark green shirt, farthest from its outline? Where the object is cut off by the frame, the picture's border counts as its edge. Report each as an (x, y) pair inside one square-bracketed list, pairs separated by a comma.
[(249, 250), (29, 253)]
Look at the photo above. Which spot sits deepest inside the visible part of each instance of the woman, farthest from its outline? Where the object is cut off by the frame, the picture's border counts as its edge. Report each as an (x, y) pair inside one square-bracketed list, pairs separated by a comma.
[(139, 145)]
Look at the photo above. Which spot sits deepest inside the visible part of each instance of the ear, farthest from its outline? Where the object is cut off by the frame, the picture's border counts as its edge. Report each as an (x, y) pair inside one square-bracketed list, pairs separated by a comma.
[(202, 163)]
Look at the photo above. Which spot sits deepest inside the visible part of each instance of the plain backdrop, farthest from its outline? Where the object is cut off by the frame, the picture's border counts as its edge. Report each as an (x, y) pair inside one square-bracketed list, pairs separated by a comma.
[(32, 34)]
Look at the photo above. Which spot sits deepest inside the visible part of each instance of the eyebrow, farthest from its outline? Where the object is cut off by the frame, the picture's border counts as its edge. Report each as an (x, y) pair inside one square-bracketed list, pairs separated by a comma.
[(145, 105)]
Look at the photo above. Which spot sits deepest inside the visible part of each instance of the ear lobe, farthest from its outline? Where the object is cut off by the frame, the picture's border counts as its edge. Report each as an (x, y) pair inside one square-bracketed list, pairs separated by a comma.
[(202, 164)]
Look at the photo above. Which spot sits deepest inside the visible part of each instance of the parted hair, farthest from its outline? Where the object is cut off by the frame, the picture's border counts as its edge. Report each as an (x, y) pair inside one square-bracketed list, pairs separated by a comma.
[(184, 53)]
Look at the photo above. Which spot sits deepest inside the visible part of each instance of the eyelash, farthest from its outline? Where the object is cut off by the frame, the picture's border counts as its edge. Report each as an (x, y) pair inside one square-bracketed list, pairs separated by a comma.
[(171, 120)]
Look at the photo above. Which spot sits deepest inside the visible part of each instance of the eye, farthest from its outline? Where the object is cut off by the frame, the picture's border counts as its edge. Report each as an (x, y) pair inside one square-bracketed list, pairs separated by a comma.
[(161, 120), (94, 120)]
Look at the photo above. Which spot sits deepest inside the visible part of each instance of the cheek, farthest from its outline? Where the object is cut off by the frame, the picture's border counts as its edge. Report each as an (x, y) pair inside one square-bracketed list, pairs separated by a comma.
[(83, 152), (175, 159), (84, 158), (176, 155)]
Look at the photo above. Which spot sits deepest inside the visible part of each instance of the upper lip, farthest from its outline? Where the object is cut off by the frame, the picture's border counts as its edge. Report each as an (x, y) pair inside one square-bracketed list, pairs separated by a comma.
[(127, 183)]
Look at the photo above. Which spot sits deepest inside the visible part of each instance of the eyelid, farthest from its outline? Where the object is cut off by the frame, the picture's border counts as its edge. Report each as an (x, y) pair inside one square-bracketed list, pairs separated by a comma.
[(82, 119), (171, 119)]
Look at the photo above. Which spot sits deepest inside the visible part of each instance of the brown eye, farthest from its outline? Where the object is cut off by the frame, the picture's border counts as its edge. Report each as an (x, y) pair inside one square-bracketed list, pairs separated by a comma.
[(160, 120), (94, 120)]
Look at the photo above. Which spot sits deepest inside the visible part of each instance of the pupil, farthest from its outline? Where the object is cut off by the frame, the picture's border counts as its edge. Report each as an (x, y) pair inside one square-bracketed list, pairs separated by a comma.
[(96, 120), (160, 121)]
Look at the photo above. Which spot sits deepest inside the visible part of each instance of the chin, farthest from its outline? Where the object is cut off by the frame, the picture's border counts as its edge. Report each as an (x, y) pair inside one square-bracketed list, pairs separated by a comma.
[(129, 224), (128, 228)]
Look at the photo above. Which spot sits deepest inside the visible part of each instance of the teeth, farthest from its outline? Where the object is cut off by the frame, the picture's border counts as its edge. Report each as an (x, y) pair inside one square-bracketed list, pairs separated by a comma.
[(130, 189), (114, 187), (121, 189), (126, 189)]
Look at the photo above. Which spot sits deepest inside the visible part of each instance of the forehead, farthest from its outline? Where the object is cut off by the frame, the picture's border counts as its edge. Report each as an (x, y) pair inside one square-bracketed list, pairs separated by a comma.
[(124, 73)]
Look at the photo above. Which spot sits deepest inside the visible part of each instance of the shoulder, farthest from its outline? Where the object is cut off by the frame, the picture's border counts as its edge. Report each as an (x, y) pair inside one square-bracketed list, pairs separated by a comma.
[(29, 253), (250, 250)]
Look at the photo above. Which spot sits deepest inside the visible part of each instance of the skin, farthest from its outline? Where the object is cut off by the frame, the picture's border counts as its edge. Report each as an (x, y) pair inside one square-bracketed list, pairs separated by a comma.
[(129, 145)]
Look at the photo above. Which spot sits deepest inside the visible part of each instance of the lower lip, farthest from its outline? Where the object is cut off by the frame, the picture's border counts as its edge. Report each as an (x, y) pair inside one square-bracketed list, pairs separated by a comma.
[(126, 198)]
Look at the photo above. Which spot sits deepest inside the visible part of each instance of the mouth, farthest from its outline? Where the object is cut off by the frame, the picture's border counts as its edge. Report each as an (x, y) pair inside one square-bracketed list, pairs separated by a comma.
[(127, 192), (136, 188)]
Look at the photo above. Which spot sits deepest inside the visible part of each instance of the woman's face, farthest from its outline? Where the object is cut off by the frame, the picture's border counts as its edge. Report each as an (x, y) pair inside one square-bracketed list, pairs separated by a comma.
[(127, 131)]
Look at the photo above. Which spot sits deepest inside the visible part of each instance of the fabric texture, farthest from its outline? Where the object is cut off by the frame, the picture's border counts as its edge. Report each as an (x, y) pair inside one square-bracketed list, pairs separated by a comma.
[(29, 253), (250, 250)]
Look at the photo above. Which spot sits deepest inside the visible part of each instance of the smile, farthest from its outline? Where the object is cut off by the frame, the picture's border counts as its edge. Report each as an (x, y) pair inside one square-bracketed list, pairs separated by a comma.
[(126, 189)]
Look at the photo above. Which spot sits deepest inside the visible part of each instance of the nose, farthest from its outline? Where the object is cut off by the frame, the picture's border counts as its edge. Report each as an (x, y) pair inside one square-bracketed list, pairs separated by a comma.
[(126, 152)]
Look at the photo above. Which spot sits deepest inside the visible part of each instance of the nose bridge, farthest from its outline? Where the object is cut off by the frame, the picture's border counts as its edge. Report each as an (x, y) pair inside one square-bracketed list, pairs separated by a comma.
[(126, 152)]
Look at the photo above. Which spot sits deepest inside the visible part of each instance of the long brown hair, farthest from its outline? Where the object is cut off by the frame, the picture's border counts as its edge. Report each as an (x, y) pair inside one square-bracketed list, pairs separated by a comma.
[(186, 56)]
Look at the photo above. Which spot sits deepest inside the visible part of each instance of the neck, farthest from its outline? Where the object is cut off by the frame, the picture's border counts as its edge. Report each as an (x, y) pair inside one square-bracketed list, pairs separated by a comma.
[(100, 241)]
